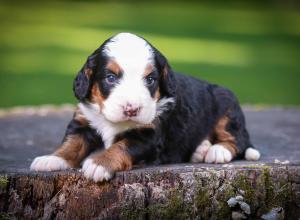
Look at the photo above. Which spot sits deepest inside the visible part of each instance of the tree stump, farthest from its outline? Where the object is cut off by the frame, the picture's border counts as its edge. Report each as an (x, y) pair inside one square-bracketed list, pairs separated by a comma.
[(267, 189)]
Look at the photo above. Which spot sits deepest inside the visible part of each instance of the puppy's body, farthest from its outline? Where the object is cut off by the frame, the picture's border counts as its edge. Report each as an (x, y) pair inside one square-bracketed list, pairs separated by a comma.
[(134, 109), (189, 123)]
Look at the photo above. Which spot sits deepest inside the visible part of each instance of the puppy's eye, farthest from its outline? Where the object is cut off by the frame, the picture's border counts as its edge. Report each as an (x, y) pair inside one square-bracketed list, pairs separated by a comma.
[(111, 79), (150, 80)]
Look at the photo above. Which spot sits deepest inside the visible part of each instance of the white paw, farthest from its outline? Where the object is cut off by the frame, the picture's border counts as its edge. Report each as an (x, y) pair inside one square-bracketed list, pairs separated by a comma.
[(218, 154), (49, 163), (201, 151), (95, 172), (252, 154)]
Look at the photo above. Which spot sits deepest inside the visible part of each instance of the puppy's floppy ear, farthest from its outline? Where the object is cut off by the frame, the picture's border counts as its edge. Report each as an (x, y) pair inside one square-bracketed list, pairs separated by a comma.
[(167, 79), (83, 81)]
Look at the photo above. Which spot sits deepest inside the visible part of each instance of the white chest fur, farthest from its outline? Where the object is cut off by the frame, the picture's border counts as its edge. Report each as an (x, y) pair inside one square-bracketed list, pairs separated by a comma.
[(105, 128)]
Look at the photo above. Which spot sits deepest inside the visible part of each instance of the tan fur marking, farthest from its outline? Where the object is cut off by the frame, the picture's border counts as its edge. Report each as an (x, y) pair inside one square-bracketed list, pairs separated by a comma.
[(88, 72), (165, 72), (78, 116), (149, 69), (223, 137), (113, 67), (96, 95), (73, 150), (157, 95), (115, 158)]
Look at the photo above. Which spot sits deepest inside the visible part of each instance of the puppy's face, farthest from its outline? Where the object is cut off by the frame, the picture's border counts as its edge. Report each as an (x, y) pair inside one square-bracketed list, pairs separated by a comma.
[(125, 80)]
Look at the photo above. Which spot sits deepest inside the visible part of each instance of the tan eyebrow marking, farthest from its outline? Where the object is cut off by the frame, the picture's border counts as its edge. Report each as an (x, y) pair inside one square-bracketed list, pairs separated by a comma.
[(114, 67), (149, 69)]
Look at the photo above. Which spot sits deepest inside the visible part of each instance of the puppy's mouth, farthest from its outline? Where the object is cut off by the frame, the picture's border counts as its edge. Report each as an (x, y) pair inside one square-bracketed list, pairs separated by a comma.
[(133, 121)]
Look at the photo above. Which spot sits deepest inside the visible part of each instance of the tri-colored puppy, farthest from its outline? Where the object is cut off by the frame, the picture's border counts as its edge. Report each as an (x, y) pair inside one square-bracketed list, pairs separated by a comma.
[(134, 109)]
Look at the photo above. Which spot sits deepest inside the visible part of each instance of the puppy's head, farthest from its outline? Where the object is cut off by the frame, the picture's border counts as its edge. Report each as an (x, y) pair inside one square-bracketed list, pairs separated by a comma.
[(127, 79)]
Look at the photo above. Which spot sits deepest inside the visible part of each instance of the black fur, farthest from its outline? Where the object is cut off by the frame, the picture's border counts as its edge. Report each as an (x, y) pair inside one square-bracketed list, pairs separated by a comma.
[(198, 107), (82, 83), (167, 82)]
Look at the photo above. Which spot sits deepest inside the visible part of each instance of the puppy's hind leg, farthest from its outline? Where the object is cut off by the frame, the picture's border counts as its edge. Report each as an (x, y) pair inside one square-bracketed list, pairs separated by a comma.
[(230, 136), (224, 148), (231, 140)]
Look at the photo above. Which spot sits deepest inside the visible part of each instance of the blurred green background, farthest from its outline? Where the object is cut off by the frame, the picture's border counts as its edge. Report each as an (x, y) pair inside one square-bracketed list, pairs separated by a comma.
[(253, 48)]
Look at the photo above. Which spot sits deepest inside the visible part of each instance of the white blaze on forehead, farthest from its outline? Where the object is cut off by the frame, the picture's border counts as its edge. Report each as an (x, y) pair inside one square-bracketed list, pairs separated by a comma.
[(131, 52)]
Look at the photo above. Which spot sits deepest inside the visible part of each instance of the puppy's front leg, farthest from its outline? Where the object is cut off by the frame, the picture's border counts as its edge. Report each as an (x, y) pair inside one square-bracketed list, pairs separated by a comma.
[(78, 142), (102, 165), (132, 147), (68, 155)]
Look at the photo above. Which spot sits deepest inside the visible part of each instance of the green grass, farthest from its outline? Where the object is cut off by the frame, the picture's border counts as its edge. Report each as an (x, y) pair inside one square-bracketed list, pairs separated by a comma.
[(253, 50)]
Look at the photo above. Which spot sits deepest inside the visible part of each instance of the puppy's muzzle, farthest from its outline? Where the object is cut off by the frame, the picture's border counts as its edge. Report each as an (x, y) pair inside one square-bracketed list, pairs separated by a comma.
[(131, 111)]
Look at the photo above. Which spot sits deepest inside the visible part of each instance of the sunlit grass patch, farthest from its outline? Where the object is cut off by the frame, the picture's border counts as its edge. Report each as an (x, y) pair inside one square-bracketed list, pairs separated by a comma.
[(251, 85), (254, 51), (35, 89)]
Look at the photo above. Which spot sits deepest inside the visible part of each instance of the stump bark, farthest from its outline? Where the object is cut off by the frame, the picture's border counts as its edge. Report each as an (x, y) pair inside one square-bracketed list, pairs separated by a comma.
[(165, 192)]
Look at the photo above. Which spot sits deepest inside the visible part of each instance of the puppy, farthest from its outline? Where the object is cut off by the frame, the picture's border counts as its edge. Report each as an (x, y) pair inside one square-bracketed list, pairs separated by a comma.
[(133, 109)]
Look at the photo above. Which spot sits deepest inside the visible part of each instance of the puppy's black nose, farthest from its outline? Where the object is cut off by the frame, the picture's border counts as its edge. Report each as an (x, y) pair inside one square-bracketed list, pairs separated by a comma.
[(131, 111)]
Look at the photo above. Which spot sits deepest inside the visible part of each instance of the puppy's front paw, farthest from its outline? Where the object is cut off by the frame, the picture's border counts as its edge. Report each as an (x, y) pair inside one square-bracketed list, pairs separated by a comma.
[(49, 163), (218, 154), (96, 172)]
